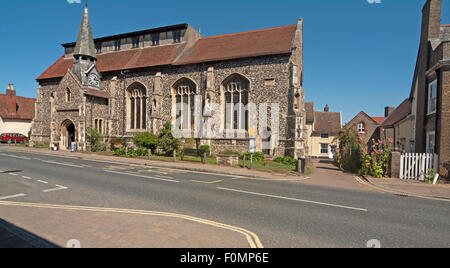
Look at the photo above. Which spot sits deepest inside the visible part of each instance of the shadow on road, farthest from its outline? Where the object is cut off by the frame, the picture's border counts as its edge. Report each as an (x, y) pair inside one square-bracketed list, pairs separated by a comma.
[(12, 236), (11, 171)]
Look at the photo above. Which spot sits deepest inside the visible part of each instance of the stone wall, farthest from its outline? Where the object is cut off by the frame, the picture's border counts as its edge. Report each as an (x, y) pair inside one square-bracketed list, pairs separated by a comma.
[(256, 70)]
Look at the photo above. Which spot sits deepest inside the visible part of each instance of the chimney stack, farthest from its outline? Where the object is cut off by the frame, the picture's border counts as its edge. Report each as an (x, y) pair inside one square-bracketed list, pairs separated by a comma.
[(327, 109), (431, 20), (388, 111), (10, 91)]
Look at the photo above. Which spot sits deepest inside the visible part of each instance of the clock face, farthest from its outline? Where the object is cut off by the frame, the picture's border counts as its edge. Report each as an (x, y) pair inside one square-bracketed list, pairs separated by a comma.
[(93, 80)]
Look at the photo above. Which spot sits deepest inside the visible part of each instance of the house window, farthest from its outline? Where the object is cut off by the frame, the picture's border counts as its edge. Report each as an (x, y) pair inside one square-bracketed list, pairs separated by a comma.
[(236, 90), (324, 148), (117, 45), (432, 96), (362, 128), (155, 39), (135, 42), (98, 48), (177, 36), (431, 141), (185, 91), (324, 136), (137, 107)]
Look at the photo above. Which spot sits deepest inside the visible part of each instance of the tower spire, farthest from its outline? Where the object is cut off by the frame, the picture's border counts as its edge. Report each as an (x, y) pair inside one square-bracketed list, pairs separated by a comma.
[(85, 43)]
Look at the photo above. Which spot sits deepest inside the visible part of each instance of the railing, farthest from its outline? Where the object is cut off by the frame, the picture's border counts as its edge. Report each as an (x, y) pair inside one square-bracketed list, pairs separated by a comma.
[(416, 166)]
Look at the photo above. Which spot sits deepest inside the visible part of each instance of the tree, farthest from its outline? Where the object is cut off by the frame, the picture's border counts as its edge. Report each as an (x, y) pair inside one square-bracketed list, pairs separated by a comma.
[(94, 138), (146, 140), (166, 141)]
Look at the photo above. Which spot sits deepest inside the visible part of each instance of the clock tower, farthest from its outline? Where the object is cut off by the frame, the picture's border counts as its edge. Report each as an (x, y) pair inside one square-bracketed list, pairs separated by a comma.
[(85, 58)]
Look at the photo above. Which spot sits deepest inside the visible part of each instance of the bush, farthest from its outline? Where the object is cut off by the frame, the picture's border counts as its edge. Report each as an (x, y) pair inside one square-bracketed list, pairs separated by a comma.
[(94, 138), (167, 142), (146, 140), (99, 147), (120, 152), (137, 153), (256, 156), (286, 161), (356, 157), (205, 148)]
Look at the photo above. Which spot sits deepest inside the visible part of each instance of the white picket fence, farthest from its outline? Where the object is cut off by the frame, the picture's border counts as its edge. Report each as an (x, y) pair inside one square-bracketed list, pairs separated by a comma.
[(416, 166)]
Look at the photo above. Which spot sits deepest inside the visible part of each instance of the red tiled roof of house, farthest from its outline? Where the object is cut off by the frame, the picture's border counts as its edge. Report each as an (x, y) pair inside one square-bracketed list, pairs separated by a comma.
[(16, 107), (241, 45), (121, 60), (446, 25), (378, 120), (402, 111)]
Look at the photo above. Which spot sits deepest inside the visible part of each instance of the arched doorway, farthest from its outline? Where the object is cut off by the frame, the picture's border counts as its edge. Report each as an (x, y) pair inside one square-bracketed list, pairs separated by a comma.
[(68, 134)]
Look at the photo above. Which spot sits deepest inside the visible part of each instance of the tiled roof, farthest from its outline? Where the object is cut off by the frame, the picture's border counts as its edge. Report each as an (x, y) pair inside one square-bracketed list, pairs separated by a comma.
[(241, 45), (327, 122), (121, 60), (402, 111), (309, 107), (271, 41), (97, 93), (9, 105), (378, 120)]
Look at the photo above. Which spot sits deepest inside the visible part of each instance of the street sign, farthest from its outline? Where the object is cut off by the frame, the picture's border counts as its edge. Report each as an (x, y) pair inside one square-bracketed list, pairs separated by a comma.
[(252, 148)]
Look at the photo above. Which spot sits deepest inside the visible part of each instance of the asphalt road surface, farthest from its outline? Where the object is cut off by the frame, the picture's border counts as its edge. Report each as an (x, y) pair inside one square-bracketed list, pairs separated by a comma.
[(282, 214)]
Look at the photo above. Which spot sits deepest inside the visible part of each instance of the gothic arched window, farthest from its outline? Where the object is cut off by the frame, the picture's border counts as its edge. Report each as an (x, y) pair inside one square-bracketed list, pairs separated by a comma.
[(235, 89), (184, 92), (137, 107), (68, 95)]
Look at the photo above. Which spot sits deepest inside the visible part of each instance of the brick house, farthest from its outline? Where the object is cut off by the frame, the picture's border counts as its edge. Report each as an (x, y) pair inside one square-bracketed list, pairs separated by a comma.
[(367, 126), (430, 92), (323, 128), (16, 112), (399, 126), (135, 82)]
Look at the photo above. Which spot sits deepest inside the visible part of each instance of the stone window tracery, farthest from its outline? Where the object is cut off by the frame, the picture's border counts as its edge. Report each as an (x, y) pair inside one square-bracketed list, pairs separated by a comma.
[(137, 107), (236, 89), (185, 91)]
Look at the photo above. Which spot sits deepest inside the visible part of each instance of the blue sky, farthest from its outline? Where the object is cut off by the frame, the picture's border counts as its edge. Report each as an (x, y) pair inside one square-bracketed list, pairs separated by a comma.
[(357, 56)]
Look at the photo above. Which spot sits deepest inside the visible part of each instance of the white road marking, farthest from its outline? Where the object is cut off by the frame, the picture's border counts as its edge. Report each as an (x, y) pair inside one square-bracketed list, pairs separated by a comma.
[(27, 178), (12, 196), (59, 187), (63, 164), (44, 182), (292, 199), (141, 176), (14, 156)]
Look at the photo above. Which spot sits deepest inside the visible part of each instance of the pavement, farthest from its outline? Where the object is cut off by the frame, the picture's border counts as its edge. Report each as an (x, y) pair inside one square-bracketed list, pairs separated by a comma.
[(409, 187), (119, 202), (68, 226)]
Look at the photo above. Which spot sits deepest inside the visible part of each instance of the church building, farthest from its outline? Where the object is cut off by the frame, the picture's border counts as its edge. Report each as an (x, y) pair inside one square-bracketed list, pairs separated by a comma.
[(131, 83)]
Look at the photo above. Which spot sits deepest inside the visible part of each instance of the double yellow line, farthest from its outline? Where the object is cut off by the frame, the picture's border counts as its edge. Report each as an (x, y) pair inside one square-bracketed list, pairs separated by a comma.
[(251, 237)]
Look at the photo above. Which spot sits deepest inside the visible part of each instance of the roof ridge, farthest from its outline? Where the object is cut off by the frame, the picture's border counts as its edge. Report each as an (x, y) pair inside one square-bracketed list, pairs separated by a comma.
[(253, 31)]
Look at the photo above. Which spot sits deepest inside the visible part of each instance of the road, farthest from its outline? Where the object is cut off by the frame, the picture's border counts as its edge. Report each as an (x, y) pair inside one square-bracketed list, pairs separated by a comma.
[(282, 214)]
